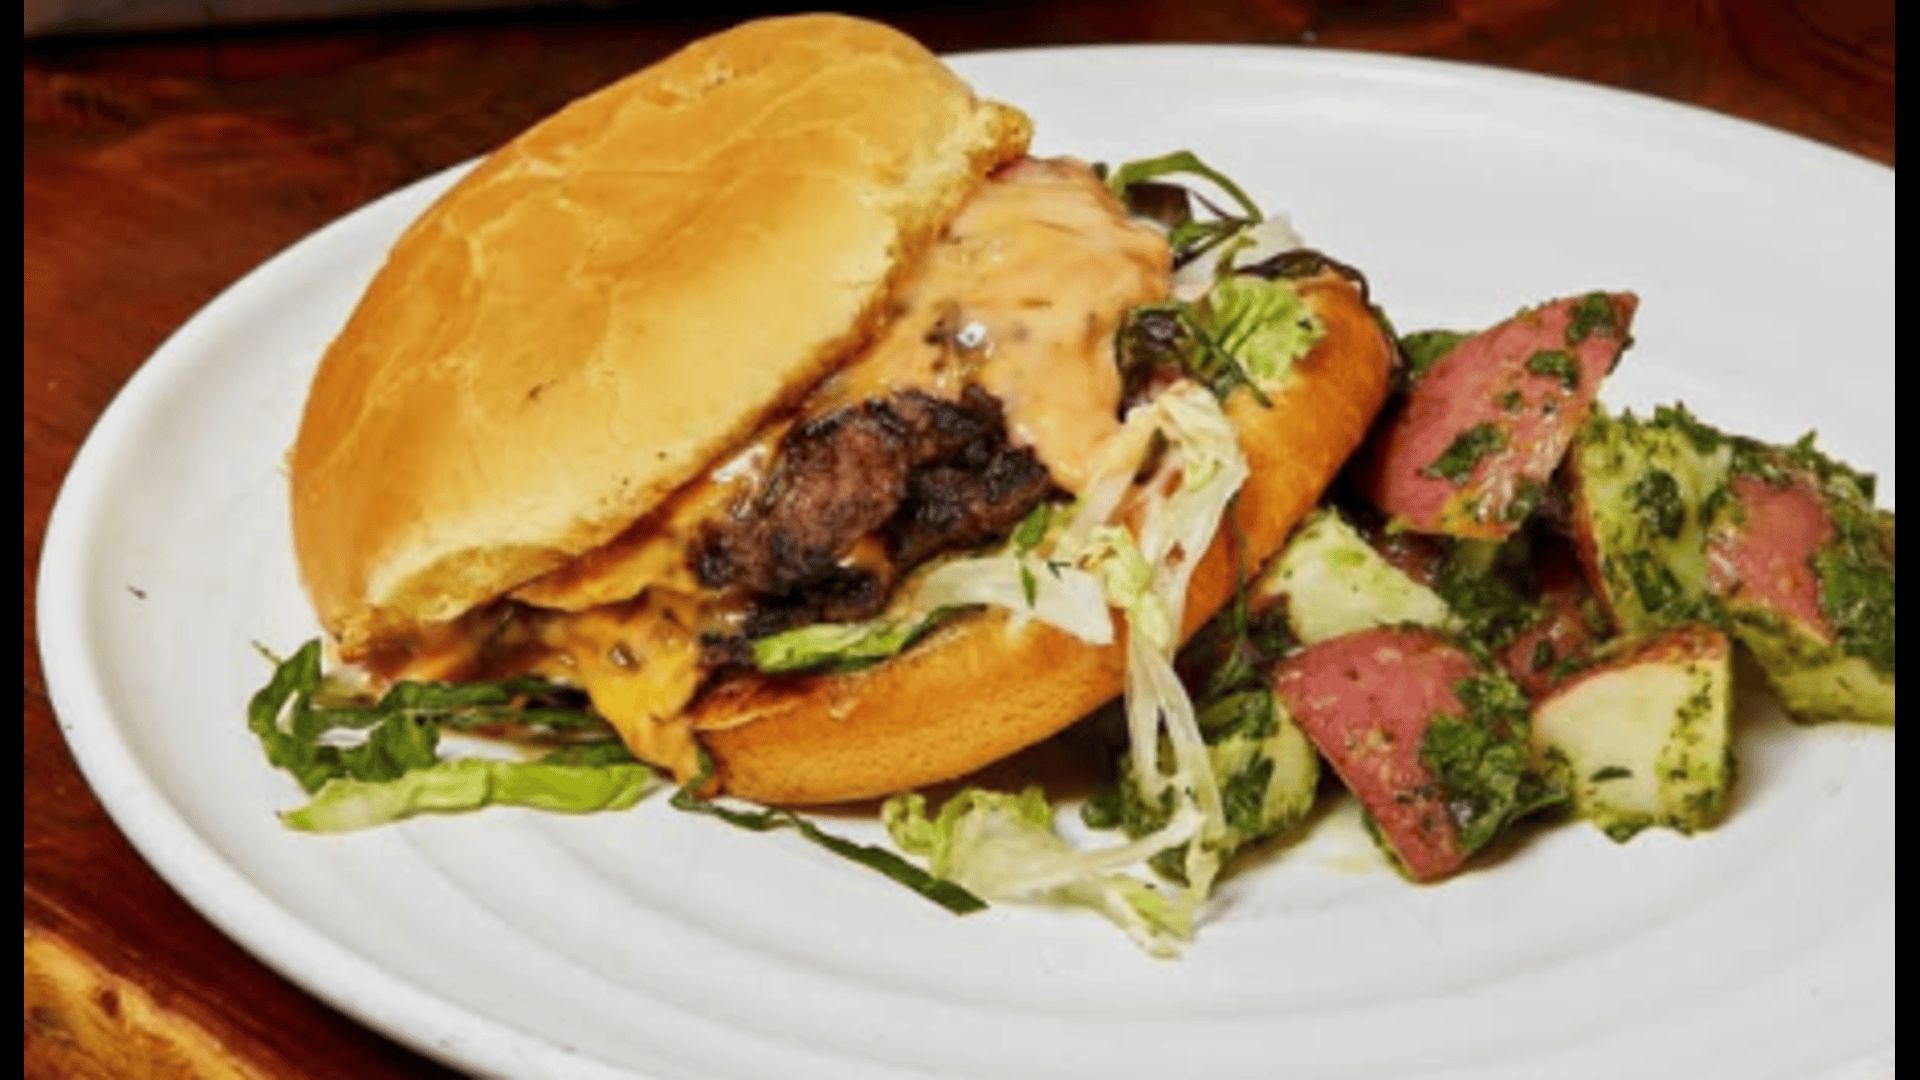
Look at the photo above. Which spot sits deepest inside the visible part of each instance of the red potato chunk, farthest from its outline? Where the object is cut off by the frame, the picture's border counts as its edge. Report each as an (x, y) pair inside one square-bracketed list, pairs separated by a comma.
[(1433, 743), (1468, 452)]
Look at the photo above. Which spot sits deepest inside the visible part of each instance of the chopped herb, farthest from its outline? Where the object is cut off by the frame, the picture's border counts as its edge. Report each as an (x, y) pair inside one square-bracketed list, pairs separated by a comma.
[(1718, 500), (1610, 772), (1248, 712), (1510, 401), (1425, 348), (1104, 808), (1833, 474), (1490, 588), (1481, 761), (1234, 650), (1542, 655), (1527, 494), (1705, 437), (1556, 363), (1656, 496), (1458, 461), (1624, 830), (1244, 797), (1856, 569), (1656, 585), (1592, 314), (1028, 586), (1594, 615), (1570, 664), (1033, 528)]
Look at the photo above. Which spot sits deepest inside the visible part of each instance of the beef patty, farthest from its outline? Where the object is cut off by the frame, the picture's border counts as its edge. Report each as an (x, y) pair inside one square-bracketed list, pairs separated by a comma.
[(921, 474)]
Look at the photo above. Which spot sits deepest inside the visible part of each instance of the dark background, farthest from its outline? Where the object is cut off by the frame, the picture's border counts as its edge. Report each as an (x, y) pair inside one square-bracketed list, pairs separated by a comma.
[(159, 168)]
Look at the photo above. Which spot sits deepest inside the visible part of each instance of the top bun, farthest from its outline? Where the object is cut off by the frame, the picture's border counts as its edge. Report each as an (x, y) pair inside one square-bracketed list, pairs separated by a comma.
[(607, 304)]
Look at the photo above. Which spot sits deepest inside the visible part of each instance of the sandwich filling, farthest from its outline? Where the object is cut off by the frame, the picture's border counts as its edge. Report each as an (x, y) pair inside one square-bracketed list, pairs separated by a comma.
[(985, 392)]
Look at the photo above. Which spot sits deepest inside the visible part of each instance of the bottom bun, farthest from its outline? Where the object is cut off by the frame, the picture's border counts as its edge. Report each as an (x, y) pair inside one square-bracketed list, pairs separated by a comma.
[(975, 690)]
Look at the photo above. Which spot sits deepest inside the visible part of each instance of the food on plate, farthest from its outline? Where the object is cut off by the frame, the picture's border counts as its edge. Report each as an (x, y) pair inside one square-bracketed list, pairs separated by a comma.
[(773, 422), (1642, 736), (1333, 582), (1566, 626), (1468, 450), (1639, 491), (1803, 564), (706, 435), (1677, 521), (779, 470), (1428, 736)]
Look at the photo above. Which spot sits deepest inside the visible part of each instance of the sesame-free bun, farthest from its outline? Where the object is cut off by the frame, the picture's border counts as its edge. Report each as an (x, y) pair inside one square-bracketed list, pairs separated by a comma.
[(974, 691), (603, 307)]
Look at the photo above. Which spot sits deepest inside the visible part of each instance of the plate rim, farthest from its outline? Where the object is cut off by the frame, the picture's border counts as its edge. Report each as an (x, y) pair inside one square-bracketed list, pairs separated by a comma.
[(334, 971)]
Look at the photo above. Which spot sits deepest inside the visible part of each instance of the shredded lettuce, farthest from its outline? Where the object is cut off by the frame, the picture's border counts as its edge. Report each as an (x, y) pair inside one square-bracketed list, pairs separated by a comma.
[(344, 804), (1071, 567), (367, 761), (1020, 577), (840, 646), (1029, 586), (1246, 331), (1175, 531), (1003, 846), (1266, 325)]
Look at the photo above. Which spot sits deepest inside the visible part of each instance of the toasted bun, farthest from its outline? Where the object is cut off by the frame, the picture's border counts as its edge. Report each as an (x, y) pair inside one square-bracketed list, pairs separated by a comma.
[(974, 692), (595, 314)]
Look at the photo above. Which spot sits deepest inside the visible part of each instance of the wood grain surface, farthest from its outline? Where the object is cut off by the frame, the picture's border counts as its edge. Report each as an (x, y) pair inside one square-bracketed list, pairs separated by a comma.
[(159, 170)]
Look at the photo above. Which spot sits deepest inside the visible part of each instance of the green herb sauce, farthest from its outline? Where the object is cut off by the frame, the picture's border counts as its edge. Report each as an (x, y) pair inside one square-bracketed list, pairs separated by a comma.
[(1656, 498), (1592, 314), (1425, 348), (1461, 456), (1481, 761), (1855, 569), (1489, 588), (1542, 655), (1655, 584), (1556, 363)]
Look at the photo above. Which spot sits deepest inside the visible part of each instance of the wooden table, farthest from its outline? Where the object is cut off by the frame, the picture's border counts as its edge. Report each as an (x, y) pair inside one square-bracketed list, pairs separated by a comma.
[(159, 170)]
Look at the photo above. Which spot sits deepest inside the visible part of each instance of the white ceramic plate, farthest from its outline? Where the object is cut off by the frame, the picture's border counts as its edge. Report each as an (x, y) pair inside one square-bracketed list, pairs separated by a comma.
[(518, 944)]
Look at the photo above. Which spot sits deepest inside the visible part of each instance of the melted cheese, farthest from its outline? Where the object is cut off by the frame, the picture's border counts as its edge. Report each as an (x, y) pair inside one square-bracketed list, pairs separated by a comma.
[(653, 552), (640, 663)]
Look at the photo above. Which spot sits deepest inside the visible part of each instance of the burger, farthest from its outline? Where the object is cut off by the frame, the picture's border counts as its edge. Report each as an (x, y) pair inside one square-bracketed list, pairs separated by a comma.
[(776, 399)]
